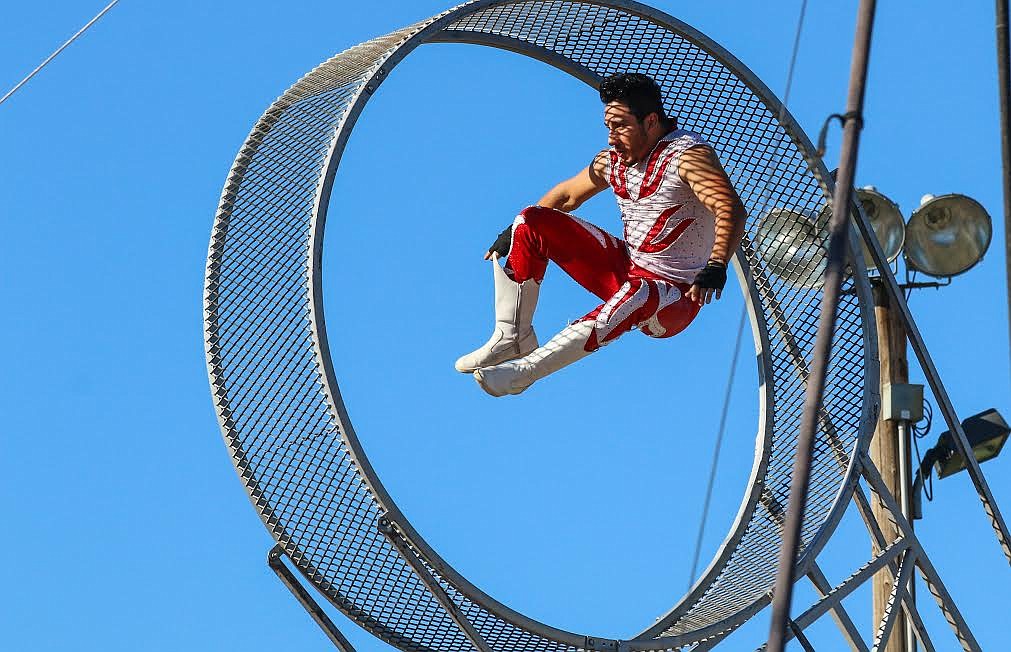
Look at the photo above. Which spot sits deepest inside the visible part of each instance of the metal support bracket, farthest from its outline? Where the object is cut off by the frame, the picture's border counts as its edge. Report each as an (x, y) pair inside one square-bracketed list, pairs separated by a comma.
[(390, 530), (840, 592), (306, 600), (838, 613), (927, 570), (879, 543), (899, 590), (902, 557), (798, 633), (817, 577)]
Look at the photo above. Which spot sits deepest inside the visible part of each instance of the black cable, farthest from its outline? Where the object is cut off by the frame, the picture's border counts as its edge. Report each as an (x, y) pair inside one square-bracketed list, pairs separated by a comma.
[(919, 432)]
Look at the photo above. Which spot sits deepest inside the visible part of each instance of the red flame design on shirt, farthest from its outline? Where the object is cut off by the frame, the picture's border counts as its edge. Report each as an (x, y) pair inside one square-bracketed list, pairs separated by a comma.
[(619, 178), (653, 178), (650, 245)]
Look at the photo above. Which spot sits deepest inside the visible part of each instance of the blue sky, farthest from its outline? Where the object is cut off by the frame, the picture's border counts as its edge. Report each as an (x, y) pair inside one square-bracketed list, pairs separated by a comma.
[(126, 527)]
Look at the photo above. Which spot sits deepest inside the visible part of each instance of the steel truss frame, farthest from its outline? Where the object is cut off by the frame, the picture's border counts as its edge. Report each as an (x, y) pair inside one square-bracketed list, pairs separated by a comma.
[(900, 557), (244, 369)]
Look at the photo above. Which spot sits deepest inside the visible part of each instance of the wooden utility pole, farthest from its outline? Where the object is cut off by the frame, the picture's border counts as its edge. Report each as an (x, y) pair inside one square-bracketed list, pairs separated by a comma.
[(885, 451)]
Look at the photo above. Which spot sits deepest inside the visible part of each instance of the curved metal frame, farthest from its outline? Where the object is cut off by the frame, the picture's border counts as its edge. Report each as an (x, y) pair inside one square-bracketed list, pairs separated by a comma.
[(657, 636)]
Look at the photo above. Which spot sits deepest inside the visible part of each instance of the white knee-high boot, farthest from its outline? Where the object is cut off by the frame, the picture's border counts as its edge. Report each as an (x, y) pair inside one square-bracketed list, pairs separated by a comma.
[(514, 335), (515, 376)]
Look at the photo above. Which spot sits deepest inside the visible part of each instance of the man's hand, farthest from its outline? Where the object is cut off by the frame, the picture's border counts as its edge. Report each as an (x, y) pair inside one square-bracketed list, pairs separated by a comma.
[(567, 196), (709, 283), (502, 244)]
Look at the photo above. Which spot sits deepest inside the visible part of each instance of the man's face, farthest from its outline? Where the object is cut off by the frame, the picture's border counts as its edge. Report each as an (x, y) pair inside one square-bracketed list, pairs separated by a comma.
[(626, 134)]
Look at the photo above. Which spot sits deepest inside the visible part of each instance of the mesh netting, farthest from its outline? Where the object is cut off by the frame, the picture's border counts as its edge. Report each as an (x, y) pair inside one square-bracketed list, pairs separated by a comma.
[(272, 377)]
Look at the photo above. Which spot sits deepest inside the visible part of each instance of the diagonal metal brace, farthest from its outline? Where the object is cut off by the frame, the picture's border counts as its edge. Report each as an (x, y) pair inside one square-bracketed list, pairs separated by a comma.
[(306, 600), (899, 589), (927, 570), (997, 521), (392, 533), (839, 615), (814, 572), (798, 633), (879, 543), (839, 593)]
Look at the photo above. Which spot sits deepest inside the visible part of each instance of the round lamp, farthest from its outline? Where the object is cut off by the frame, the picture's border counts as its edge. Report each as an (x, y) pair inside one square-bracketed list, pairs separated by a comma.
[(792, 246), (947, 235), (886, 222)]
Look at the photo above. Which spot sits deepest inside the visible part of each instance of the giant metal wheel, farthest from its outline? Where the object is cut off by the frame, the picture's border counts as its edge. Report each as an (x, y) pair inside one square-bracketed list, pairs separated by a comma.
[(273, 381)]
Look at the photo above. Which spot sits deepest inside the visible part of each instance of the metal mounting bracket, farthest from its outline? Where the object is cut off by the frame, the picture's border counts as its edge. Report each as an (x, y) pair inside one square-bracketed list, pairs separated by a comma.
[(306, 600)]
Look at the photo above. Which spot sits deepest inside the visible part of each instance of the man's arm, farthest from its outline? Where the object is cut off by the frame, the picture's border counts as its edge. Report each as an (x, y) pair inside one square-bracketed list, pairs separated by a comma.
[(566, 196), (572, 193), (701, 170)]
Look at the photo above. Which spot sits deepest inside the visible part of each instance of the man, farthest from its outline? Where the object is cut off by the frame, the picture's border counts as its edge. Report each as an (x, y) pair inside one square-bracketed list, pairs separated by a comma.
[(682, 218)]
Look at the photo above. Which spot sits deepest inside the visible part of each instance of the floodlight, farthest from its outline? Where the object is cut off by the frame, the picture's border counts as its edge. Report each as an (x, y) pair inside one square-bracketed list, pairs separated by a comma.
[(793, 246), (986, 432), (886, 222), (947, 235)]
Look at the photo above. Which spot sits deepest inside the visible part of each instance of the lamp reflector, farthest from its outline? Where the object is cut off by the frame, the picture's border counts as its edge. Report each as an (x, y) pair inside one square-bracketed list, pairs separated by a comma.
[(947, 235), (886, 222), (793, 247)]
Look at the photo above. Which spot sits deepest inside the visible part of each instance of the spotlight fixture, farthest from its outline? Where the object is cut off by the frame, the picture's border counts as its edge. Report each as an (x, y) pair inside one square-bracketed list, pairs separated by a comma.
[(947, 235), (793, 246), (987, 432), (886, 221)]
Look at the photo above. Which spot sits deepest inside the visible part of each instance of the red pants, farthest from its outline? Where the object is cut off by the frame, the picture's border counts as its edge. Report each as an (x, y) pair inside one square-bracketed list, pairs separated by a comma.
[(632, 296)]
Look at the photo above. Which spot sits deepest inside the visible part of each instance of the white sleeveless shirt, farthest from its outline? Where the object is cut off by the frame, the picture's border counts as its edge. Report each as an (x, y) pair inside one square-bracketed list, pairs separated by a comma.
[(668, 230)]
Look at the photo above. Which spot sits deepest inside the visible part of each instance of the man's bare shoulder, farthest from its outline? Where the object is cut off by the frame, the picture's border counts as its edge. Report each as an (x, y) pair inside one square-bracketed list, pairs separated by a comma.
[(699, 155), (598, 167)]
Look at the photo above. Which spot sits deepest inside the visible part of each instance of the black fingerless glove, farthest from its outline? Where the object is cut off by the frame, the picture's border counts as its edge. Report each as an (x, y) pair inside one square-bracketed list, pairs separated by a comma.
[(713, 275), (502, 243)]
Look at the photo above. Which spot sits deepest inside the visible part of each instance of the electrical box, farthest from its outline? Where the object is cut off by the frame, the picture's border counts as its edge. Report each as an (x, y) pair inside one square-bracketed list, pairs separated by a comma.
[(902, 402)]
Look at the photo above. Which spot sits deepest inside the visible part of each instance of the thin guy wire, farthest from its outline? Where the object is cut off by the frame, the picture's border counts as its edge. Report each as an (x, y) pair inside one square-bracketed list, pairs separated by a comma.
[(716, 450), (793, 57), (740, 327), (58, 50), (766, 190)]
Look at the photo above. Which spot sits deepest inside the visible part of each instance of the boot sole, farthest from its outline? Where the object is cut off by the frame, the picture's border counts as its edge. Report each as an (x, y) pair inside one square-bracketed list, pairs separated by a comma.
[(507, 358)]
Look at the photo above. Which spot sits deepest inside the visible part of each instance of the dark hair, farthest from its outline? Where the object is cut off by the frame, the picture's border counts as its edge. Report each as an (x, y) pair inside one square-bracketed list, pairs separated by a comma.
[(639, 92)]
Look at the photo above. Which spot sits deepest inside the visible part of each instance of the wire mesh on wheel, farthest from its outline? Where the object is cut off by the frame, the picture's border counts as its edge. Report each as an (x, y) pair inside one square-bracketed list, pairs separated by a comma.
[(273, 381)]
